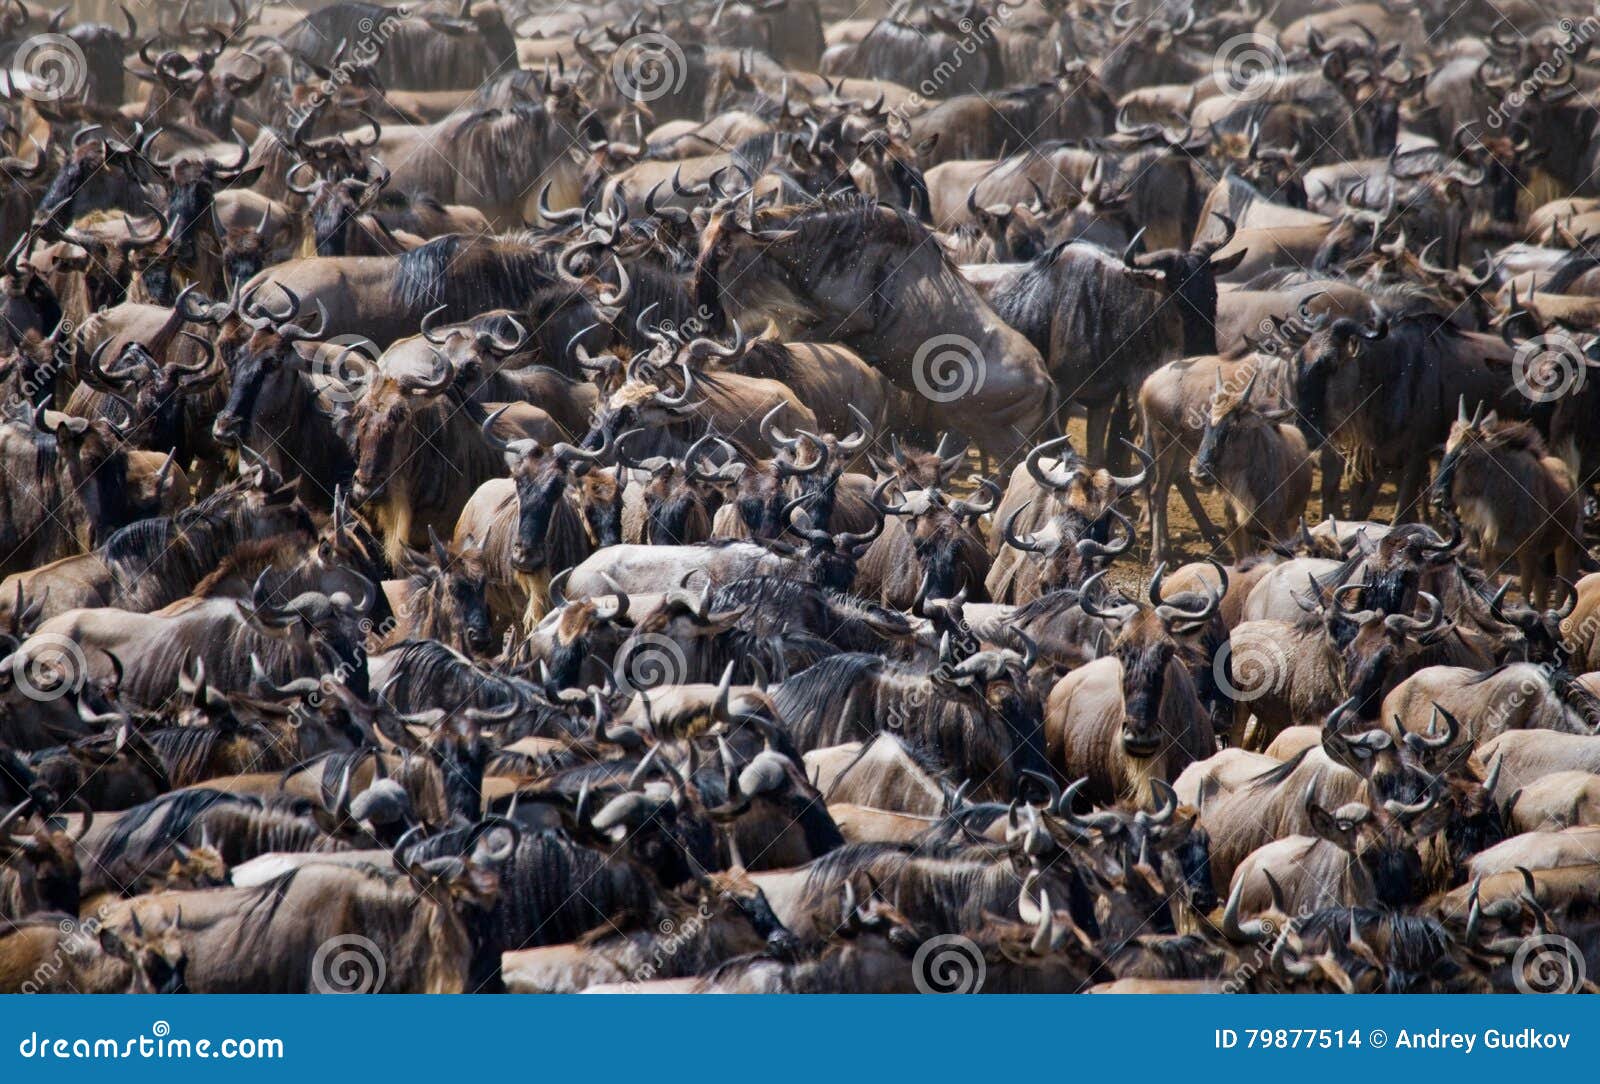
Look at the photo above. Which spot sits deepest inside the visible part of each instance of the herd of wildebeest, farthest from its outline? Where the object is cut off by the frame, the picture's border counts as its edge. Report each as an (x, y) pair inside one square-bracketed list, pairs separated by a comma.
[(497, 497)]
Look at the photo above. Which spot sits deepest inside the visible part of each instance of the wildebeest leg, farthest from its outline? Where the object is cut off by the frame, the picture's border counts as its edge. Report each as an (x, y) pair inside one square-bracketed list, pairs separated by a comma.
[(1098, 419), (1405, 508), (1530, 577), (1331, 464), (1363, 495), (1120, 429), (1197, 511)]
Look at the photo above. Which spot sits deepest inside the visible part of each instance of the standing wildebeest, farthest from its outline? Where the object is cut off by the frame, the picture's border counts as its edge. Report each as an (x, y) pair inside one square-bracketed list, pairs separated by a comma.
[(1104, 325), (1134, 716), (1518, 500), (846, 269), (1260, 464), (1381, 390)]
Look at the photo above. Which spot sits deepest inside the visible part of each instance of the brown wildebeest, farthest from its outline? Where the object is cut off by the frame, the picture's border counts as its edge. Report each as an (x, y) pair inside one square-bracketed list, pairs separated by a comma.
[(1259, 462), (1518, 499)]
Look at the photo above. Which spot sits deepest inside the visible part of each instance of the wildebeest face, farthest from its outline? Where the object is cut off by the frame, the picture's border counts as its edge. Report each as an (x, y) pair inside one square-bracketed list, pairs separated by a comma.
[(541, 481), (262, 364), (387, 418)]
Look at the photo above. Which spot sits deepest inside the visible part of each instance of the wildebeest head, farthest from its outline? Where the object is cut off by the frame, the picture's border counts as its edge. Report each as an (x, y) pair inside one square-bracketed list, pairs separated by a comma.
[(946, 540), (576, 631), (645, 400), (828, 560), (336, 625), (28, 306), (1371, 754), (1382, 843), (38, 867), (542, 477), (1231, 414), (192, 183), (771, 811), (154, 388), (1374, 645), (1328, 366), (258, 345), (337, 206), (98, 172), (1075, 539), (815, 462), (447, 599), (681, 495), (1151, 639), (913, 468), (245, 249), (1190, 276)]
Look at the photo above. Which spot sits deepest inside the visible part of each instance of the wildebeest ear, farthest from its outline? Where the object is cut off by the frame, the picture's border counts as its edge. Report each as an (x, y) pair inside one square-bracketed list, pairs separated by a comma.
[(1325, 825), (1222, 265)]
